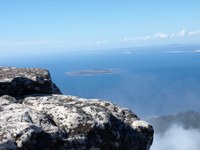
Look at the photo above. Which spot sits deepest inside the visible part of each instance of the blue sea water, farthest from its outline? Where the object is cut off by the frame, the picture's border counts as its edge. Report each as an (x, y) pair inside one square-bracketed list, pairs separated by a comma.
[(149, 81)]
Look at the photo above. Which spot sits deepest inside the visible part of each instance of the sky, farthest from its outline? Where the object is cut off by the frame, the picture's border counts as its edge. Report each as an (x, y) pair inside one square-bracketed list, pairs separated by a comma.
[(57, 25)]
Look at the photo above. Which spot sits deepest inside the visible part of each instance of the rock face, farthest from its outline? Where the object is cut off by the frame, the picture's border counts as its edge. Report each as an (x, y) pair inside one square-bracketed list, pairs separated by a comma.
[(19, 82), (58, 121)]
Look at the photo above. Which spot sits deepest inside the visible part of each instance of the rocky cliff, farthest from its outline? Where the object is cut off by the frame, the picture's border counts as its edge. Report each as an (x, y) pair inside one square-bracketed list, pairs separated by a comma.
[(34, 115)]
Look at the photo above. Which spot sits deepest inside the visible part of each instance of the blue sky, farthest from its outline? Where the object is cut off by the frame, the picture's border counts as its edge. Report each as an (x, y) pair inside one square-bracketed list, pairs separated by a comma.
[(50, 25)]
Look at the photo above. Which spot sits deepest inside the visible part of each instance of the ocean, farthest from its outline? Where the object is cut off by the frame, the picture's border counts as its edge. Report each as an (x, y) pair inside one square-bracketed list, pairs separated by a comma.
[(150, 81)]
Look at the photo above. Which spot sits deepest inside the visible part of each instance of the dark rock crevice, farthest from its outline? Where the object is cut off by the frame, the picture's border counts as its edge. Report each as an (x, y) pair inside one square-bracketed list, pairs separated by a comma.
[(20, 87)]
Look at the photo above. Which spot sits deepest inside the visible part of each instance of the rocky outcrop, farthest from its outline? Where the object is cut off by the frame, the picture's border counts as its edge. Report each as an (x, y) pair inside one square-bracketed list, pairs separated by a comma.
[(67, 122), (19, 82)]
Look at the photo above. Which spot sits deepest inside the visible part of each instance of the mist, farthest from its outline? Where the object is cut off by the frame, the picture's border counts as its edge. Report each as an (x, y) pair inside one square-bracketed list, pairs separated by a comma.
[(177, 138), (150, 94)]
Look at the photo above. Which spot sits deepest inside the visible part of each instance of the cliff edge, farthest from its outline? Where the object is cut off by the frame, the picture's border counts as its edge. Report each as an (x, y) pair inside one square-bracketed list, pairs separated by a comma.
[(35, 115)]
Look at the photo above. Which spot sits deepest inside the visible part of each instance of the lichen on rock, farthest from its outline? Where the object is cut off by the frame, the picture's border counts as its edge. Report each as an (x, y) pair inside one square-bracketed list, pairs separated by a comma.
[(55, 121)]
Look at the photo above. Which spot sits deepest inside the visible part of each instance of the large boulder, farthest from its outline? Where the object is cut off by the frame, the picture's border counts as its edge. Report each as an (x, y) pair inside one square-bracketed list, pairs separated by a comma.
[(67, 122), (19, 82)]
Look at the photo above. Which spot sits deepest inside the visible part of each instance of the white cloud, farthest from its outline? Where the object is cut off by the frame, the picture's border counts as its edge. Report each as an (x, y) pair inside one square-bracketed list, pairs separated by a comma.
[(192, 33), (160, 35), (197, 51), (177, 138), (143, 38), (127, 40), (147, 38), (127, 52), (182, 33), (157, 35), (102, 42), (73, 43)]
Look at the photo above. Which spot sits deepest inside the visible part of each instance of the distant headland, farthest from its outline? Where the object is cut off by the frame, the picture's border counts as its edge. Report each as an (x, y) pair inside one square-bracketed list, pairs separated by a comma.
[(92, 72)]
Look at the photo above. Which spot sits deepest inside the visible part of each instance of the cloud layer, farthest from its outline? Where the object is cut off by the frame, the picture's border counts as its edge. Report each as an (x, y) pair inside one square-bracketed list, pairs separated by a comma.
[(108, 43), (177, 138), (162, 35)]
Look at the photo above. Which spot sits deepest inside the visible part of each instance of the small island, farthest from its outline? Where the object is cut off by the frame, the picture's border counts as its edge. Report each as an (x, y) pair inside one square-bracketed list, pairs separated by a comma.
[(91, 72)]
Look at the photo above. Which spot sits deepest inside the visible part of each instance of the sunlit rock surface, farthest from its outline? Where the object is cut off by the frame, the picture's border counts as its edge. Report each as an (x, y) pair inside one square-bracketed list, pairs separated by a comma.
[(67, 122)]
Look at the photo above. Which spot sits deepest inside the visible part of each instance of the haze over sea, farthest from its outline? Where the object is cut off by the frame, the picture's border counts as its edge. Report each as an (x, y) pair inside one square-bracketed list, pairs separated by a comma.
[(149, 80), (144, 55)]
